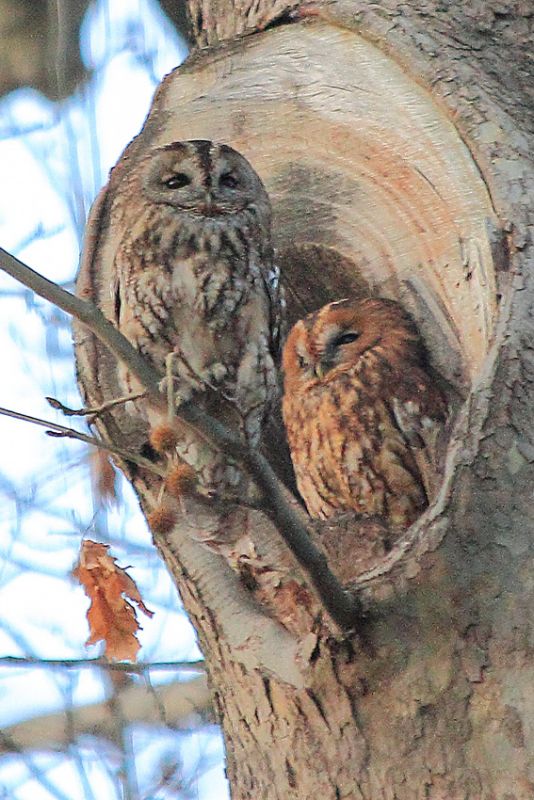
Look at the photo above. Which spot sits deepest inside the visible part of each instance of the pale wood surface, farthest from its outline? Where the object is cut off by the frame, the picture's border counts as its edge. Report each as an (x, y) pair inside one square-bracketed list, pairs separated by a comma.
[(373, 188)]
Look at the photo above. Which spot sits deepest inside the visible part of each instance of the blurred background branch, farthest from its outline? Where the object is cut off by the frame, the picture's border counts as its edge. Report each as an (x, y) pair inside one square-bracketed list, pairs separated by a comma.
[(40, 44)]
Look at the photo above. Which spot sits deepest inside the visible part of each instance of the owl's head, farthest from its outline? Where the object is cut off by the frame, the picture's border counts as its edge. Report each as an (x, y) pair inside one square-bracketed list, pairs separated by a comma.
[(332, 340), (204, 178)]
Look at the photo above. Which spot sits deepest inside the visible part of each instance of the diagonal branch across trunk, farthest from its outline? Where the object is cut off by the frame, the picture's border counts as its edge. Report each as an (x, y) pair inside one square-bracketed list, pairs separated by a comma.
[(342, 607)]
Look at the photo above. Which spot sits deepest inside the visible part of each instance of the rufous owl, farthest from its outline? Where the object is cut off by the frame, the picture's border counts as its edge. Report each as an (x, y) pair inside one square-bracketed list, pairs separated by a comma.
[(361, 406)]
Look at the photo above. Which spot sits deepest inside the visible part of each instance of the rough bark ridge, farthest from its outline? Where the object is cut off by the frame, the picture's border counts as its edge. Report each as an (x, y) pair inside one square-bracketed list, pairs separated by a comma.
[(421, 193)]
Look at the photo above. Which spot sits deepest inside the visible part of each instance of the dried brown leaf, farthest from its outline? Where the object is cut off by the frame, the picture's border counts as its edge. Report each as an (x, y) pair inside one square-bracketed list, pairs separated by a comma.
[(109, 587)]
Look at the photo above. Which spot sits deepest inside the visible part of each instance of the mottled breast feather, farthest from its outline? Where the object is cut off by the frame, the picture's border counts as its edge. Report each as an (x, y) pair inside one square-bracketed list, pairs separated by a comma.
[(360, 405)]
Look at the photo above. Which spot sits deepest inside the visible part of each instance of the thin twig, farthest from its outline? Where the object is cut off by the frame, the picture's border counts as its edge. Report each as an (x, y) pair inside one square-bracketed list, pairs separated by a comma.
[(80, 663), (9, 745), (70, 433), (344, 609), (96, 411)]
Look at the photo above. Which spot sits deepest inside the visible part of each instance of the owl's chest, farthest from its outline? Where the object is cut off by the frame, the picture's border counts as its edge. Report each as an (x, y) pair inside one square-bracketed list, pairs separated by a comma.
[(205, 274), (349, 453), (346, 423)]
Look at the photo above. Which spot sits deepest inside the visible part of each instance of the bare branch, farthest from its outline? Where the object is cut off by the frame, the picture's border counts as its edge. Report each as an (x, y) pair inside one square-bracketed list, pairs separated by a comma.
[(70, 433), (176, 702), (342, 607), (80, 663), (91, 412), (8, 744)]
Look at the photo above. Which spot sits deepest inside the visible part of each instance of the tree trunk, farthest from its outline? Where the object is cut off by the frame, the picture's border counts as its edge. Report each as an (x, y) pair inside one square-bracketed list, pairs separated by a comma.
[(394, 142)]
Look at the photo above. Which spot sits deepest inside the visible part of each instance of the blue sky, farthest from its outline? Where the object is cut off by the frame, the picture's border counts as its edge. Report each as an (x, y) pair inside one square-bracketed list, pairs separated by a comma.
[(53, 159)]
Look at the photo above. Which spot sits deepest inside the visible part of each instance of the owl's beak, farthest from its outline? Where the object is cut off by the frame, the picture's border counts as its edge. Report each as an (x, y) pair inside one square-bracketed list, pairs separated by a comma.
[(319, 370), (210, 208), (324, 364)]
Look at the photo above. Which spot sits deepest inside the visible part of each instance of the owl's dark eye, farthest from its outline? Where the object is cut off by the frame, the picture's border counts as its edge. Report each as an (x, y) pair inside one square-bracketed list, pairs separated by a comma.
[(345, 338), (301, 361), (177, 181), (228, 180)]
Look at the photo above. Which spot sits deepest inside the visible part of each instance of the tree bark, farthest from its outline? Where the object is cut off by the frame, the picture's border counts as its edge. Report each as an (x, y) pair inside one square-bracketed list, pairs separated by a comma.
[(395, 144)]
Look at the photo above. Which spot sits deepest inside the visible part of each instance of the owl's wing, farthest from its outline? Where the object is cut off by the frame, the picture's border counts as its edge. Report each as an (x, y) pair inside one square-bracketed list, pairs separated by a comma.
[(420, 412), (91, 240), (88, 273)]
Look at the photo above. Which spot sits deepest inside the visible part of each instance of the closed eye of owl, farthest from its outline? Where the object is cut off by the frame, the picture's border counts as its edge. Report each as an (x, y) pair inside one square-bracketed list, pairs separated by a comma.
[(207, 181), (361, 410), (194, 277)]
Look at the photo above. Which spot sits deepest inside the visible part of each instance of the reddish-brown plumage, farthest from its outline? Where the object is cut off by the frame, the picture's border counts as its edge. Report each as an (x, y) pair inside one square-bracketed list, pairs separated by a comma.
[(360, 407)]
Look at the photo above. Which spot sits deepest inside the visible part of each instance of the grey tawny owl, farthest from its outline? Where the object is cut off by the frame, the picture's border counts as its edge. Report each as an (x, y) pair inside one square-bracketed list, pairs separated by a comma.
[(195, 277)]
